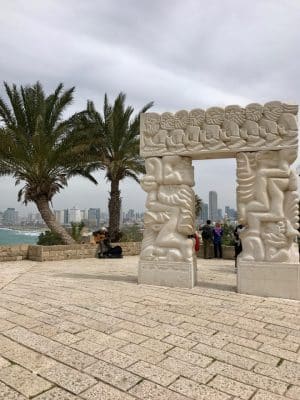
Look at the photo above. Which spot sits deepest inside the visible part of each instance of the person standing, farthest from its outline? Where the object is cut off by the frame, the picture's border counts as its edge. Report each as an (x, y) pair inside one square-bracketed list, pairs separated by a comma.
[(217, 239), (207, 237), (238, 243)]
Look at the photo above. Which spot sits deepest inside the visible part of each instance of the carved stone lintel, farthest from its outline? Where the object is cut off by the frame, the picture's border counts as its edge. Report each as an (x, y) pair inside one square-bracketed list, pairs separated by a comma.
[(220, 132)]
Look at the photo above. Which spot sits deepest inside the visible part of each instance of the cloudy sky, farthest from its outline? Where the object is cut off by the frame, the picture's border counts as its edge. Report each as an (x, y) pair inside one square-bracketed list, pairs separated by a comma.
[(180, 54)]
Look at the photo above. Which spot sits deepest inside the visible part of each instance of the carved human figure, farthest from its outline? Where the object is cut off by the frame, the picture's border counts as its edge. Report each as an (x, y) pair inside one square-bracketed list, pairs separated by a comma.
[(263, 186), (196, 117), (175, 141), (268, 124), (192, 140), (169, 218), (250, 128), (181, 119), (234, 119), (287, 124), (211, 136)]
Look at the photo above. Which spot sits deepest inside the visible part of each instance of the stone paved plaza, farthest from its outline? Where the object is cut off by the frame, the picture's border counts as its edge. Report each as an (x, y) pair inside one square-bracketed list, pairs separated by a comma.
[(84, 329)]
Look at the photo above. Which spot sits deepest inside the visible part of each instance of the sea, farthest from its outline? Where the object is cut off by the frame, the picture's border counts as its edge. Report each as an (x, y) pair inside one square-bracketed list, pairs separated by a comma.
[(15, 236)]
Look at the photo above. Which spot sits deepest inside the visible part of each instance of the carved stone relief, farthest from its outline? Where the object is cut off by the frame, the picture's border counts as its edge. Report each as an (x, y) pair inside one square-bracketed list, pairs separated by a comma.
[(267, 202), (219, 131), (169, 218)]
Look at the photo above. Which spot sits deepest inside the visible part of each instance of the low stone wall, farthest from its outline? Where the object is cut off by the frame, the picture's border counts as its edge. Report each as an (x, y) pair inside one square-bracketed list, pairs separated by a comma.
[(64, 252), (228, 252), (13, 252)]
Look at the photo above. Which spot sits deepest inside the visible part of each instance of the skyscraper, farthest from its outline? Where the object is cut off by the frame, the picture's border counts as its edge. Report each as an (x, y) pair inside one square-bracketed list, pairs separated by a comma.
[(204, 213), (213, 205)]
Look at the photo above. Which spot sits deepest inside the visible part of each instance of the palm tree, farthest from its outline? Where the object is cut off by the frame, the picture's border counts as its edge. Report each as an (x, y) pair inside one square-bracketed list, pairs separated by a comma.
[(198, 205), (39, 148), (115, 142)]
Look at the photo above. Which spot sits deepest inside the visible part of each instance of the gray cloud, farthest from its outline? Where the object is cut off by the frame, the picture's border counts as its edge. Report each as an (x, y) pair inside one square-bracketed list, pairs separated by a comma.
[(179, 54)]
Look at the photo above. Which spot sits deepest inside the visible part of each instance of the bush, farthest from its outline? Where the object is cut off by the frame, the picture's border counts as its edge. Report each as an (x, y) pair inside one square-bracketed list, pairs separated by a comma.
[(49, 238), (132, 233), (228, 236)]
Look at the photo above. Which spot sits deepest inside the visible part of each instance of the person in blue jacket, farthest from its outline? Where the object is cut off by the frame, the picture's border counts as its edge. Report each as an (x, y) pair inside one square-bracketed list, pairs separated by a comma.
[(217, 239)]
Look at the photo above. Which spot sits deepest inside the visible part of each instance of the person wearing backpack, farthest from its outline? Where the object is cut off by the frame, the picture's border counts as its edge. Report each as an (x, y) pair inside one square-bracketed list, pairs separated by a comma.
[(207, 237)]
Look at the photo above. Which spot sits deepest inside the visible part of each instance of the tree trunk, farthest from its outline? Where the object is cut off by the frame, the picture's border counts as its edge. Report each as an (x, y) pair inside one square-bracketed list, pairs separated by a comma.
[(114, 209), (49, 218)]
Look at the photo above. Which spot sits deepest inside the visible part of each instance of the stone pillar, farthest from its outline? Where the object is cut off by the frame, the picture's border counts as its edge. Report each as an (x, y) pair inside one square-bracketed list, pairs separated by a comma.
[(167, 257), (268, 207)]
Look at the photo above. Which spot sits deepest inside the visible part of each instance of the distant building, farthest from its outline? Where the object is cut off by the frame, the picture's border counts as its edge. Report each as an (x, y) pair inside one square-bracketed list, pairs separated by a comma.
[(10, 216), (74, 214), (220, 214), (94, 216), (60, 216), (213, 206), (231, 213), (204, 213)]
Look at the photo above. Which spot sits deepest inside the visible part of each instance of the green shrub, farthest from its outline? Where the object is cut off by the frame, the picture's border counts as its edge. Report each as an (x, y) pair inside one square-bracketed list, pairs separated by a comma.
[(49, 238), (132, 233)]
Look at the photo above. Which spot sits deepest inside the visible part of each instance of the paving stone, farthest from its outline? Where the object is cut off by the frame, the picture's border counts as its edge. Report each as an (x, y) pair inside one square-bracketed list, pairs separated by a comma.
[(6, 393), (102, 338), (203, 330), (283, 373), (70, 327), (281, 353), (105, 392), (30, 339), (23, 381), (157, 345), (252, 344), (129, 336), (68, 378), (152, 372), (213, 341), (71, 357), (233, 387), (253, 354), (189, 356), (45, 330), (197, 391), (185, 369), (28, 358), (56, 394), (142, 353), (66, 338), (151, 391), (226, 356), (263, 395), (233, 330), (282, 344), (180, 342), (293, 392), (156, 333), (5, 325), (88, 347), (248, 377), (3, 362), (113, 375), (117, 358)]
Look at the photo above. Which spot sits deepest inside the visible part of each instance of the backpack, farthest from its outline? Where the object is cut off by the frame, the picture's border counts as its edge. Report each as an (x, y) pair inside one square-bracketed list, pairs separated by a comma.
[(206, 232)]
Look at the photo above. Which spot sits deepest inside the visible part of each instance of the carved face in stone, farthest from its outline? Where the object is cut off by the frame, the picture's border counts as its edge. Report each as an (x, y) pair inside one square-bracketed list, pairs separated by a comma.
[(151, 123), (254, 112), (167, 121), (196, 117), (235, 114), (214, 116), (181, 119), (289, 155), (273, 110)]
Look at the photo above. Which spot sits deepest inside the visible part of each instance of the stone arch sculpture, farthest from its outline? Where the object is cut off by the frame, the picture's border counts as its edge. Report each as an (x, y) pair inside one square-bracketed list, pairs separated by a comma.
[(264, 141)]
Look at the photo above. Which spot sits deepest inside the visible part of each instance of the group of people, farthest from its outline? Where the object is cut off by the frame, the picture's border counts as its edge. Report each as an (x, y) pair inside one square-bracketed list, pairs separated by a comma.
[(105, 249), (213, 235)]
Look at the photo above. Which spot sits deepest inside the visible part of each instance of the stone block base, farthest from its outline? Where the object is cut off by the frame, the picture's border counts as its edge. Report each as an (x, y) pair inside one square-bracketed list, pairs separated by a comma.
[(168, 273), (269, 279)]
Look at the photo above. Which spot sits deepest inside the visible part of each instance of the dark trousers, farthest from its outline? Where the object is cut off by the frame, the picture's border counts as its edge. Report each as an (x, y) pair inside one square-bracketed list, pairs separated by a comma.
[(206, 248), (218, 250)]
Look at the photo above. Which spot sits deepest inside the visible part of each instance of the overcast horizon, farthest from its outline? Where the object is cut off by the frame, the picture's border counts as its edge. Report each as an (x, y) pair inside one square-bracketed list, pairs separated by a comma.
[(181, 55)]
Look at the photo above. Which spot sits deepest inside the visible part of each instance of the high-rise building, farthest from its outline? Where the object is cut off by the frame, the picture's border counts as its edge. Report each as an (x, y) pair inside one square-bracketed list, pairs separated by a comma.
[(10, 216), (220, 214), (94, 216), (60, 216), (204, 213), (230, 213), (74, 214), (213, 206)]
